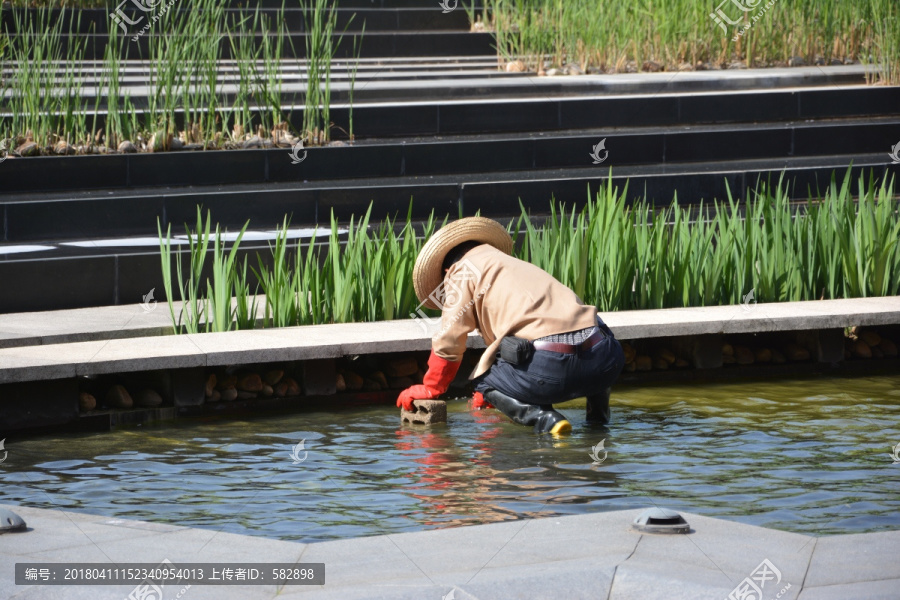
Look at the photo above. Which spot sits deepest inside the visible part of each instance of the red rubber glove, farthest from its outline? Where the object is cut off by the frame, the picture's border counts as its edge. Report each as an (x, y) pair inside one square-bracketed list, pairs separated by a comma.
[(479, 403), (436, 381)]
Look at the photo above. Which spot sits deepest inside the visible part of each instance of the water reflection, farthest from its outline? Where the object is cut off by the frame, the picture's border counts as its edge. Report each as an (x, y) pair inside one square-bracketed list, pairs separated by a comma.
[(806, 456)]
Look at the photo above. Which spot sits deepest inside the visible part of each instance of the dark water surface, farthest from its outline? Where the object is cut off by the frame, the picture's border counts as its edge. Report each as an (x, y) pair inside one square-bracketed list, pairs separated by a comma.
[(811, 456)]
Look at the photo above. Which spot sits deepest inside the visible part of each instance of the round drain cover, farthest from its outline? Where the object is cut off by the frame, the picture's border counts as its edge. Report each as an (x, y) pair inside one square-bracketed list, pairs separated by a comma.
[(10, 521), (660, 520)]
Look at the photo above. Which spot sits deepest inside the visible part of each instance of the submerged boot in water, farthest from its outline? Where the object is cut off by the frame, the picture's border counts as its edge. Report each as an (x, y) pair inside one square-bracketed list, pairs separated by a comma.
[(597, 407), (544, 418)]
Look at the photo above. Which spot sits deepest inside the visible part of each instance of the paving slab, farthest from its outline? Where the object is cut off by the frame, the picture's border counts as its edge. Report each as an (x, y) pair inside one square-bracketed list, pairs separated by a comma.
[(56, 361), (754, 318), (886, 589), (855, 558), (379, 591), (586, 578), (87, 324), (583, 556), (83, 324), (137, 354), (267, 345), (642, 579)]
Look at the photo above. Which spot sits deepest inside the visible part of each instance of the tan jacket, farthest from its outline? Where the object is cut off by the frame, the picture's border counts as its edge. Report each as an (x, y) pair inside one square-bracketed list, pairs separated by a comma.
[(499, 296)]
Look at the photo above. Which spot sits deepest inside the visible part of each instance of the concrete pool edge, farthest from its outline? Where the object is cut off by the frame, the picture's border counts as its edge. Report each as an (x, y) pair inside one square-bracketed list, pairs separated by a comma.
[(89, 384), (592, 556), (131, 335)]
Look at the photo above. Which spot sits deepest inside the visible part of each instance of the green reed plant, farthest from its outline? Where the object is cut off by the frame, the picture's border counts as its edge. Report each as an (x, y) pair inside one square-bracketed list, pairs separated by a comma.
[(615, 251), (109, 82), (192, 310), (225, 302), (357, 50), (225, 283), (43, 94), (246, 305), (320, 19), (836, 246), (607, 35), (277, 283), (246, 53), (41, 80)]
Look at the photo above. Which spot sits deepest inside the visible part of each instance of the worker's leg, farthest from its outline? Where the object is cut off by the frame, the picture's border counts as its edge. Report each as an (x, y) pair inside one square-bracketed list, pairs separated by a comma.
[(597, 407), (542, 417), (597, 371), (525, 393)]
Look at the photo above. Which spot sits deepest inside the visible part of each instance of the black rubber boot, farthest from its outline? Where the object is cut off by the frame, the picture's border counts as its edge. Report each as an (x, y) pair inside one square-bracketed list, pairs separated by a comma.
[(597, 407), (544, 418)]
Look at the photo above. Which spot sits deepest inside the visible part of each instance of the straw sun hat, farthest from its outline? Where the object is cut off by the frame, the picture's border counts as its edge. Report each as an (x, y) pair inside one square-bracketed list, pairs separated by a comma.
[(427, 274)]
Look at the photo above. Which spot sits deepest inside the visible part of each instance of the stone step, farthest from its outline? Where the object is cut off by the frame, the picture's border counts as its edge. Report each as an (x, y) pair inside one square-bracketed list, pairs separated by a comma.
[(431, 174)]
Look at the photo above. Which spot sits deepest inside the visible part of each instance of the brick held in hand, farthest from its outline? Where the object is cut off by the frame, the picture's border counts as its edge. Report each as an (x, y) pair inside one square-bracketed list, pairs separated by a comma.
[(426, 413)]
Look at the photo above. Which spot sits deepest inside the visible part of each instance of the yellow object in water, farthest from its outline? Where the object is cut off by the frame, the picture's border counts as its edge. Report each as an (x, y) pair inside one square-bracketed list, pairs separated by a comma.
[(561, 428)]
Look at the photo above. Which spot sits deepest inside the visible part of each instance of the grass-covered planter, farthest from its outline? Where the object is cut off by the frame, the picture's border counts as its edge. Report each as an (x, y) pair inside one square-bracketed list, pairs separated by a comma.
[(615, 253)]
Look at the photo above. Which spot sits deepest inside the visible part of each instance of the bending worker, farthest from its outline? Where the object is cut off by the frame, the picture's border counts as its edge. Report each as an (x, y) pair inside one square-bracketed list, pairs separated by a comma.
[(544, 345)]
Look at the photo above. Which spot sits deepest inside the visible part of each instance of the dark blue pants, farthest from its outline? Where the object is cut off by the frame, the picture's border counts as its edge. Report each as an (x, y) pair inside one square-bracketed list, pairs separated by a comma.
[(552, 377)]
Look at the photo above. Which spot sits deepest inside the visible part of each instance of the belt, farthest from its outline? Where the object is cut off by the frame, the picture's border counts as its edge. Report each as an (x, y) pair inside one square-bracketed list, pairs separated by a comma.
[(592, 340)]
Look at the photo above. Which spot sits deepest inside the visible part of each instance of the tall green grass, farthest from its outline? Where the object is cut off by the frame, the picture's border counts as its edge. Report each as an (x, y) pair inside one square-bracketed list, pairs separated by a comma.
[(225, 301), (41, 83), (43, 96), (607, 35), (829, 247), (614, 251)]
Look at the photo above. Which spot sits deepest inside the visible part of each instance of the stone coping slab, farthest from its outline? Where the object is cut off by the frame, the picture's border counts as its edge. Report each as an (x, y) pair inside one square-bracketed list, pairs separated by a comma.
[(584, 556), (87, 324), (148, 352)]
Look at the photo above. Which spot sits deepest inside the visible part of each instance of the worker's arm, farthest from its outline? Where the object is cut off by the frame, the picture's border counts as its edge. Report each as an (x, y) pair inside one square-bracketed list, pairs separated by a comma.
[(448, 346), (436, 381)]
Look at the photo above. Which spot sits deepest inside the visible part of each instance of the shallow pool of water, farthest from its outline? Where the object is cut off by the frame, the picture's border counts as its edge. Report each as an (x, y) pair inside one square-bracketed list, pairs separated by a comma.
[(810, 456)]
